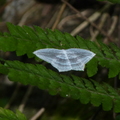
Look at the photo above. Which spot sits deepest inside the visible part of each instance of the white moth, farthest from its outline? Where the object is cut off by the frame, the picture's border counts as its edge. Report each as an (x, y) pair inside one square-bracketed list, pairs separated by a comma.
[(65, 60)]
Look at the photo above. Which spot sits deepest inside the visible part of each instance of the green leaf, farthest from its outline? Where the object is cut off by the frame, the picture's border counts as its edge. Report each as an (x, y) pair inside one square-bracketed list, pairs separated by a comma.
[(107, 103), (117, 106), (82, 42), (67, 79), (8, 43), (78, 82), (96, 99), (116, 49), (114, 68), (99, 88), (41, 33), (77, 88), (88, 84), (74, 92), (95, 48), (25, 40), (104, 62), (111, 90), (84, 96), (92, 67), (3, 69), (107, 51), (54, 87), (13, 30), (64, 90), (52, 38), (71, 41), (20, 116), (6, 114), (31, 33)]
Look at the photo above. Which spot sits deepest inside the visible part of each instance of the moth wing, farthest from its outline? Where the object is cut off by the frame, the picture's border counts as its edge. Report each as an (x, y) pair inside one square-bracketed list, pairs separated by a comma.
[(47, 54), (66, 62), (79, 56), (61, 62)]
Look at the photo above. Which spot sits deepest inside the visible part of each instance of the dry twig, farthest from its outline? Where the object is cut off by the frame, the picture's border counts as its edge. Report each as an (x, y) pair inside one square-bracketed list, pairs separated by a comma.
[(102, 21), (85, 23), (59, 16), (38, 114), (28, 13), (93, 24), (112, 28), (22, 105), (13, 96)]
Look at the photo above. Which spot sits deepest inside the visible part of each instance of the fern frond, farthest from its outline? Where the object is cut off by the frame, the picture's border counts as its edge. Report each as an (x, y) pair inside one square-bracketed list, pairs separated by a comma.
[(73, 86), (6, 114), (25, 40)]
